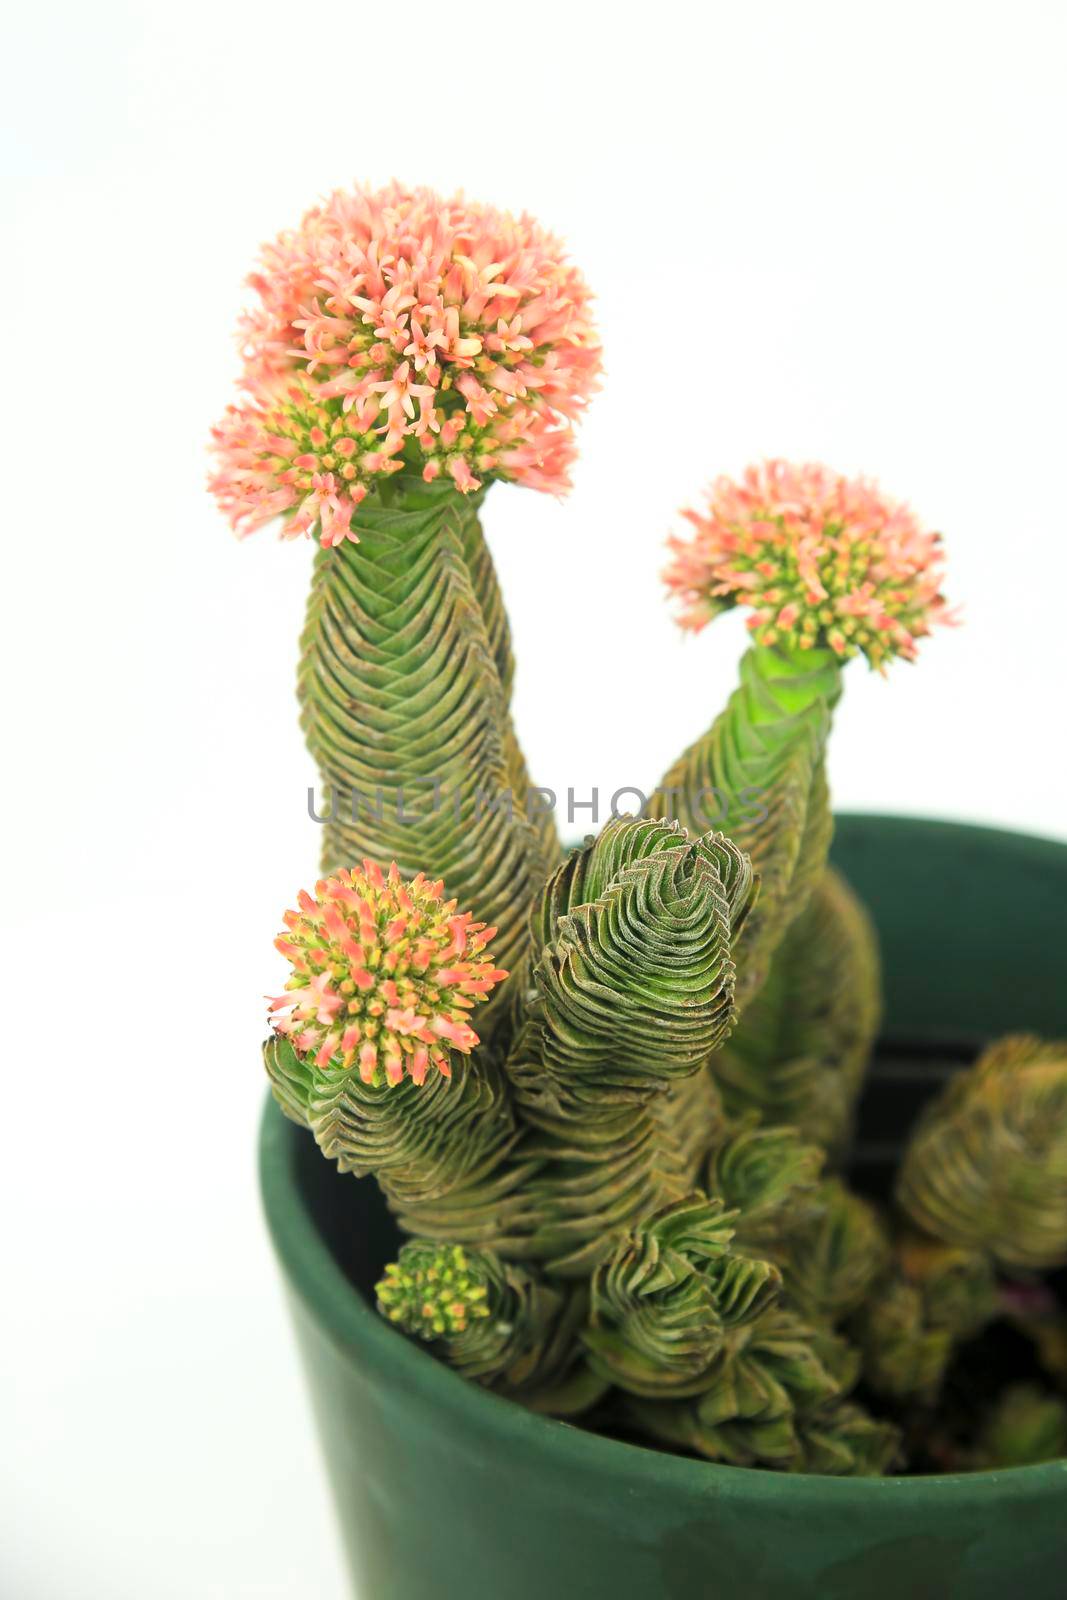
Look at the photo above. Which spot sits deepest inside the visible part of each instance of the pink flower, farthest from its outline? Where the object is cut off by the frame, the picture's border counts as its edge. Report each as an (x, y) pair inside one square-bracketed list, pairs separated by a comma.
[(818, 558), (384, 974), (413, 331)]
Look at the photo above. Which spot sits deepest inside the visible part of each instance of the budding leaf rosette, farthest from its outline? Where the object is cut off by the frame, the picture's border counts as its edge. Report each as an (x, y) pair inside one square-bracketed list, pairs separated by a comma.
[(434, 1291), (662, 1305), (384, 975), (772, 1376), (494, 1321), (768, 1176), (396, 328), (987, 1166), (905, 1355), (834, 1257)]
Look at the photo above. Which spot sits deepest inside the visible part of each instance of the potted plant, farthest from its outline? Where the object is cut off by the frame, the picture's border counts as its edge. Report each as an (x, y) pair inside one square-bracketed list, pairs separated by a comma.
[(649, 1319)]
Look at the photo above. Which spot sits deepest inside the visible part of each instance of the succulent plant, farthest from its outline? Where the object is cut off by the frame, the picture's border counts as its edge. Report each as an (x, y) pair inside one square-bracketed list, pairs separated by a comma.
[(493, 1321), (628, 987), (772, 1378), (828, 568), (1024, 1426), (958, 1285), (404, 351), (663, 1306), (928, 1299), (987, 1165), (837, 1253), (372, 1046), (606, 1093), (802, 1050), (769, 1177), (845, 1441), (905, 1354)]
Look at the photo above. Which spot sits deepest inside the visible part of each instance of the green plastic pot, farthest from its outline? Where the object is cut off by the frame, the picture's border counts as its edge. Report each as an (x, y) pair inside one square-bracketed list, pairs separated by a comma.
[(445, 1492)]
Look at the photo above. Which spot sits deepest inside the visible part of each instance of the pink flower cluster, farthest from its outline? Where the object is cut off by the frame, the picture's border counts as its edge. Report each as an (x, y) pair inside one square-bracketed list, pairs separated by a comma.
[(384, 975), (399, 329), (818, 558)]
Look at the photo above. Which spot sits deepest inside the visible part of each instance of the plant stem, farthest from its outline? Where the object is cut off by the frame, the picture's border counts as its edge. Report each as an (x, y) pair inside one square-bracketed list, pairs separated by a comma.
[(758, 774)]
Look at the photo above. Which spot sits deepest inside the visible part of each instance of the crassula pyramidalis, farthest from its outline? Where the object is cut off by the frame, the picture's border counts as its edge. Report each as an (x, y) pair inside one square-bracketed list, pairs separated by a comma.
[(607, 1093)]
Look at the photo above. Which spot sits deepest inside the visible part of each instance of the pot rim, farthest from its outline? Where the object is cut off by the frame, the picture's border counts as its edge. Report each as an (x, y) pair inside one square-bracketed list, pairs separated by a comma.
[(351, 1322)]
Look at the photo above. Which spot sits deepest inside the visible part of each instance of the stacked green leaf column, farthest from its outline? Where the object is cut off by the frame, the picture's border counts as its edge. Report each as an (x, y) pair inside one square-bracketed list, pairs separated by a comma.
[(494, 1321), (440, 1147), (404, 681), (628, 988), (761, 762), (808, 985), (802, 1048), (494, 612)]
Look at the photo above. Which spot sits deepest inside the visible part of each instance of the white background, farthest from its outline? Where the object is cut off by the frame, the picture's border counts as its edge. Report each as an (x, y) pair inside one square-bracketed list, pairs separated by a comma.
[(818, 230)]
